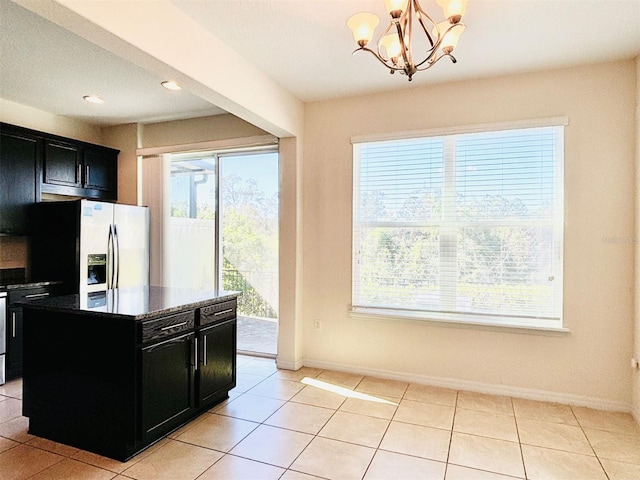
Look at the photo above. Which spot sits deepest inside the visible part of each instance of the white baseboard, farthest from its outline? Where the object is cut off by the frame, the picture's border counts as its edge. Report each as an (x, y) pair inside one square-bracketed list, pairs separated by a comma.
[(287, 365), (480, 387)]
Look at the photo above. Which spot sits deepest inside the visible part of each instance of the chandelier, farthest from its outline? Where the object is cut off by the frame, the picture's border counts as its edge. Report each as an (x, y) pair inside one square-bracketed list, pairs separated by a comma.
[(395, 46)]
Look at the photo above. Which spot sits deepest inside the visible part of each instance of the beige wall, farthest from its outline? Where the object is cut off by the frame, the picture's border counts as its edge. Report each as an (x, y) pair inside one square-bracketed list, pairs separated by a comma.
[(290, 341), (636, 373), (125, 139), (14, 252), (28, 117), (195, 130), (589, 365)]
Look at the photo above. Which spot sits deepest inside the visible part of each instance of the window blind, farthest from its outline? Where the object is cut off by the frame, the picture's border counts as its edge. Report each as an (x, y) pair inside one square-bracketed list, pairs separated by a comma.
[(465, 227)]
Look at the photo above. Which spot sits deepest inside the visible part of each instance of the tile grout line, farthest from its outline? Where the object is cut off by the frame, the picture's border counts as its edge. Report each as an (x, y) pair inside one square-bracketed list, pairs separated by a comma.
[(589, 441), (274, 375), (453, 422), (515, 419), (377, 449)]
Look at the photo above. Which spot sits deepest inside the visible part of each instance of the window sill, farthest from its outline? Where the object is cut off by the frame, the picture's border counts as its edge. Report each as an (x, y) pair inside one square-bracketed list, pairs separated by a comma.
[(441, 320)]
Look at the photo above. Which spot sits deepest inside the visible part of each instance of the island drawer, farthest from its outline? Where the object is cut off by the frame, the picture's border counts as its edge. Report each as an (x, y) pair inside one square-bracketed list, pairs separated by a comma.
[(218, 312), (162, 327), (33, 293)]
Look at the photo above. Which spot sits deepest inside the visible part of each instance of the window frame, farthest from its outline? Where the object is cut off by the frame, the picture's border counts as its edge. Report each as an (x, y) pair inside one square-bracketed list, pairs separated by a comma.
[(477, 319)]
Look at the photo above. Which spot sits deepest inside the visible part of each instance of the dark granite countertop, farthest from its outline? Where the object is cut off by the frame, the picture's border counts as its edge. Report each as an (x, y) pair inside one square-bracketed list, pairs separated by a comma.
[(17, 286), (135, 303)]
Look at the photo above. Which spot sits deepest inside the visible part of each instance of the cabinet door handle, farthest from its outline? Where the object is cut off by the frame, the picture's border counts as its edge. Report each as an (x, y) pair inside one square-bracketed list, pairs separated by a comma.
[(196, 352), (86, 172), (223, 312), (204, 348), (13, 324), (173, 326), (79, 174), (36, 295)]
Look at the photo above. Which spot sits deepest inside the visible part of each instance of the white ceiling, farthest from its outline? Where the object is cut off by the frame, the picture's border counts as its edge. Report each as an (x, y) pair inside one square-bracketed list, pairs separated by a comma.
[(47, 67), (305, 46)]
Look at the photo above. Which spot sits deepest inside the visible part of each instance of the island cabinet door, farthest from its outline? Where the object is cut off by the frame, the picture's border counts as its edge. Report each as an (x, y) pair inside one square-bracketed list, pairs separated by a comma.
[(218, 361), (167, 388)]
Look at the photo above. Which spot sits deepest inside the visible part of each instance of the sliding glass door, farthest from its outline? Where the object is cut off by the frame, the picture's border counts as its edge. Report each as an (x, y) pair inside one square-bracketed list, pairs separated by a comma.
[(222, 233), (249, 218)]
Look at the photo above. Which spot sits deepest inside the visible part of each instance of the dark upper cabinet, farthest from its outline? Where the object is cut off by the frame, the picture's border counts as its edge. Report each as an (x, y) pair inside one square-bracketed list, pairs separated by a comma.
[(19, 160), (81, 170), (33, 163), (61, 164), (100, 170)]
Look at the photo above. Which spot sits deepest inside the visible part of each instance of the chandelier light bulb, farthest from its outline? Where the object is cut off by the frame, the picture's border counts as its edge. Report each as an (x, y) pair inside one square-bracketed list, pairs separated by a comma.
[(391, 44), (450, 33), (453, 9), (363, 25), (396, 7)]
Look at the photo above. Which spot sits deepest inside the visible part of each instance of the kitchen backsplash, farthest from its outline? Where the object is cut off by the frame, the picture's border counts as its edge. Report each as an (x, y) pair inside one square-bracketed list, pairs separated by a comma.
[(14, 252)]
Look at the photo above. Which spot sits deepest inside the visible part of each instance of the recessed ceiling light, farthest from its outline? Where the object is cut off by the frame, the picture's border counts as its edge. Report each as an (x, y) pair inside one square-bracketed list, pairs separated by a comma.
[(171, 85), (93, 99)]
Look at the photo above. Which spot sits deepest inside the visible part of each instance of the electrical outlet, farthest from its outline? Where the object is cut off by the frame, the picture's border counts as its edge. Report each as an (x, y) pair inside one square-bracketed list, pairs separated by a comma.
[(318, 325)]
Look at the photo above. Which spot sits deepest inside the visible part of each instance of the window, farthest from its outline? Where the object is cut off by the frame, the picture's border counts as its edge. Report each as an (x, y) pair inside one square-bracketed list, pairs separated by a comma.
[(464, 227)]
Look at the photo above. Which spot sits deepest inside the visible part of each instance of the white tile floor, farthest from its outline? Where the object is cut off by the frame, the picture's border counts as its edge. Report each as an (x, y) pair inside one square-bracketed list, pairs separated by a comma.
[(275, 427)]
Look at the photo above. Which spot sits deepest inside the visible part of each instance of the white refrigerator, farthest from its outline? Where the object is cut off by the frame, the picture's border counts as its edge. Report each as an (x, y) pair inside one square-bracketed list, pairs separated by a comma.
[(91, 246)]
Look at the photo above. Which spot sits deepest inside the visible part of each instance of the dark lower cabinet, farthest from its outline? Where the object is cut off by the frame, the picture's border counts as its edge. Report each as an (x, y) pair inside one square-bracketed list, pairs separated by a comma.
[(115, 385), (216, 373), (14, 327), (167, 385), (14, 343)]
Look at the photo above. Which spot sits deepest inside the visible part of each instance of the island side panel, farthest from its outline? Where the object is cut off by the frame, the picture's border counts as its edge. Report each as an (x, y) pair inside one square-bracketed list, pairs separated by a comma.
[(80, 380)]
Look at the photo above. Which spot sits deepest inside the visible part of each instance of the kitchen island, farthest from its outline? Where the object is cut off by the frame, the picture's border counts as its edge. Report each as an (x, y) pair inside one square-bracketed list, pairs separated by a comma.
[(113, 372)]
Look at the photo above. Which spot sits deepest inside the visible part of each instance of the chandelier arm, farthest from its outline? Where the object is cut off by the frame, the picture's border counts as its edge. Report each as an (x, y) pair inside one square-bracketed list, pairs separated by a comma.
[(408, 28), (379, 58), (389, 28), (420, 13), (426, 31), (431, 64), (403, 47), (432, 57), (434, 50)]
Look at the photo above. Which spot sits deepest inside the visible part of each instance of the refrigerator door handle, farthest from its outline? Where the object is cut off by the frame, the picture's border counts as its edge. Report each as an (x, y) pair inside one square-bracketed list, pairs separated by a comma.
[(110, 259), (117, 256)]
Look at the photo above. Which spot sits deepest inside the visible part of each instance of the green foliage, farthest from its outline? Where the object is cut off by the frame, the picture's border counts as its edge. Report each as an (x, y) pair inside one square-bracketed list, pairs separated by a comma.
[(249, 234), (490, 268), (249, 244), (250, 303)]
